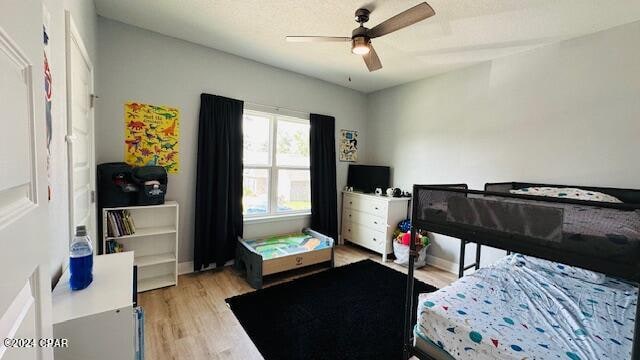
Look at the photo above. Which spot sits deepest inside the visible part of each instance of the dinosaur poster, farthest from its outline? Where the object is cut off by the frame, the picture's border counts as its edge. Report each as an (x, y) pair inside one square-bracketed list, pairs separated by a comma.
[(151, 135)]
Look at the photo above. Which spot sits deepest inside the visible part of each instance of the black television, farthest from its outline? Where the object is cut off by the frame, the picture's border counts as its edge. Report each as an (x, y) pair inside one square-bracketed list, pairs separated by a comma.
[(367, 178)]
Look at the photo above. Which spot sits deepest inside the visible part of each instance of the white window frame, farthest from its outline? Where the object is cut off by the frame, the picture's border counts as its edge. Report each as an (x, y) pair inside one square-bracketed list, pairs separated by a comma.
[(272, 167)]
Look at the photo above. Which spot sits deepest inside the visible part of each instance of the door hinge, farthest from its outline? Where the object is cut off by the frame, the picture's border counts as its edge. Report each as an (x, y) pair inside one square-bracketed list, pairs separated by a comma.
[(92, 100), (93, 196)]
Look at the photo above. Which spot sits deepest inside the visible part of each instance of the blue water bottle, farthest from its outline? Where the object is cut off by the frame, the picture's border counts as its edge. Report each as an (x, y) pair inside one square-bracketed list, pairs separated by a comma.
[(81, 260)]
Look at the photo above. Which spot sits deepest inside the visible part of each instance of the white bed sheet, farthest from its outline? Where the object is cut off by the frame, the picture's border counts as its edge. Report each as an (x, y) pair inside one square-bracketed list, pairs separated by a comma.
[(516, 310)]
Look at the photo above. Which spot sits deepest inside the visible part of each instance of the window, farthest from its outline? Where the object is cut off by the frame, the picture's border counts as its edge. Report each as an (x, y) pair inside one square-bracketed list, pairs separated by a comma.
[(276, 165)]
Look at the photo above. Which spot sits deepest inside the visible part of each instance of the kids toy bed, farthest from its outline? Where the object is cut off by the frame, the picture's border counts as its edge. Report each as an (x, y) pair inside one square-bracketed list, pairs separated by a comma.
[(563, 307), (262, 257)]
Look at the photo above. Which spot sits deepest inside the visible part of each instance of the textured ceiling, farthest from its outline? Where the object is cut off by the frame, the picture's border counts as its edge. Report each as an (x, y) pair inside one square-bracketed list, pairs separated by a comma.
[(462, 32)]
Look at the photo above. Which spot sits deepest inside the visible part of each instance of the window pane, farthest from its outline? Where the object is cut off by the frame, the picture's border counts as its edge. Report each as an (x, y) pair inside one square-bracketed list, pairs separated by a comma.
[(255, 191), (293, 143), (294, 190), (256, 139)]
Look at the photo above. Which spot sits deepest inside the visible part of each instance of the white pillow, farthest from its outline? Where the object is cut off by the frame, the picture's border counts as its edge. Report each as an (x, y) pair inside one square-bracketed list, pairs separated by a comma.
[(567, 193), (551, 268)]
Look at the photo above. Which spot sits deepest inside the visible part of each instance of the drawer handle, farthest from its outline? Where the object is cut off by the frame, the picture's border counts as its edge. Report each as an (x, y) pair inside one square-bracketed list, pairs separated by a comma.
[(374, 239), (375, 222), (377, 208), (350, 202), (349, 230), (349, 215)]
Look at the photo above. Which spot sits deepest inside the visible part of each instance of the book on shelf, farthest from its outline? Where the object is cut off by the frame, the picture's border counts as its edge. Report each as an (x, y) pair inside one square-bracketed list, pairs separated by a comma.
[(114, 247), (111, 225), (130, 223), (120, 223)]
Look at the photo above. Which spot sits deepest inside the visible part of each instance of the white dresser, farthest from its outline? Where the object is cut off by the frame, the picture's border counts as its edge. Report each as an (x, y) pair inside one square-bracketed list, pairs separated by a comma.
[(369, 220)]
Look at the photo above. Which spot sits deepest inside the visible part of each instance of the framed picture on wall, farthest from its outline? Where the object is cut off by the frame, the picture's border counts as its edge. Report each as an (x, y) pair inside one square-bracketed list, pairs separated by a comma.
[(348, 145)]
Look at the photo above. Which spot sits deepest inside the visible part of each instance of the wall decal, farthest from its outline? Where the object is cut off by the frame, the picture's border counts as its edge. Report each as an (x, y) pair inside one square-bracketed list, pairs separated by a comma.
[(348, 145), (151, 135)]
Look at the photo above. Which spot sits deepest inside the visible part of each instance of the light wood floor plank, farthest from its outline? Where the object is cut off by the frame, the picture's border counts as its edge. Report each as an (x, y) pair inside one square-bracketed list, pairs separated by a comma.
[(191, 321)]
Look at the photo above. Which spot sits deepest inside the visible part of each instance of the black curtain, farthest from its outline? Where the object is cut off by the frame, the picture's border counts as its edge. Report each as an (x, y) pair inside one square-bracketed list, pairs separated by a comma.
[(218, 216), (324, 203)]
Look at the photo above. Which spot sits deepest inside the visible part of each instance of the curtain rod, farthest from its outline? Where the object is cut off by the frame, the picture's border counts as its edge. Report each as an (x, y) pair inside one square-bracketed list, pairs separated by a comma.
[(277, 108)]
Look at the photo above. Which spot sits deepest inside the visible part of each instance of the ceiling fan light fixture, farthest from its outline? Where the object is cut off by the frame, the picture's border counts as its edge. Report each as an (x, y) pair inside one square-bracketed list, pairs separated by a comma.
[(360, 45), (361, 36)]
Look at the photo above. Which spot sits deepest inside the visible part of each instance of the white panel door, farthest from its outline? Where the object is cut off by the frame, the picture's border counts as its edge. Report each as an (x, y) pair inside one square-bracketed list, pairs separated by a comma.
[(80, 138), (25, 296)]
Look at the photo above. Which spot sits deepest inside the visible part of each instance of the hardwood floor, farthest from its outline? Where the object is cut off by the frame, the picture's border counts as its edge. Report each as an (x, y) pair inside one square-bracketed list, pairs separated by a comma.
[(191, 321)]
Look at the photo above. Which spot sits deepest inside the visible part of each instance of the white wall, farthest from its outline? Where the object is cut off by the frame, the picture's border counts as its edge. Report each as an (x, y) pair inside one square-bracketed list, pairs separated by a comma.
[(140, 65), (567, 113), (85, 18)]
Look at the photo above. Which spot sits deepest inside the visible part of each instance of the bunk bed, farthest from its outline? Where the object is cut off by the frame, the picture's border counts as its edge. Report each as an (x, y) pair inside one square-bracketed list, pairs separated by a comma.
[(547, 234)]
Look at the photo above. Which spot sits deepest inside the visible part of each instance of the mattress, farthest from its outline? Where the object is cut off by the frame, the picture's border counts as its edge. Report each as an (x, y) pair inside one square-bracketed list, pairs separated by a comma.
[(566, 193), (285, 245), (528, 308)]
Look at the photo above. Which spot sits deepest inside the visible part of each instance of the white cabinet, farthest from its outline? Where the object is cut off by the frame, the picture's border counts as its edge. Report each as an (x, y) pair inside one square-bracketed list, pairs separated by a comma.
[(155, 243), (99, 321), (369, 220)]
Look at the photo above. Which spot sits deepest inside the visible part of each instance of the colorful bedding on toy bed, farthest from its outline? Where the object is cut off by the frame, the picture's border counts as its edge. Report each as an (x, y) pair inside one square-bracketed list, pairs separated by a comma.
[(528, 308), (284, 245)]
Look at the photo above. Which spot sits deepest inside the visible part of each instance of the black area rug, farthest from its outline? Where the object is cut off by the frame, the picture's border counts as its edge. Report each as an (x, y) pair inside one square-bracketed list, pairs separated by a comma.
[(350, 312)]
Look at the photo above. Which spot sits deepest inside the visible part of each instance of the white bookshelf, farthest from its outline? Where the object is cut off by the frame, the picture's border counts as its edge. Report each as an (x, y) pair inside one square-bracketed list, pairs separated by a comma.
[(154, 243)]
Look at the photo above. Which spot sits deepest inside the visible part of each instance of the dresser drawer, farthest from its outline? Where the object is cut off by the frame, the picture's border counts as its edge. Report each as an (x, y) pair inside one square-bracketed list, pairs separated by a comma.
[(351, 201), (364, 236), (360, 217), (366, 204)]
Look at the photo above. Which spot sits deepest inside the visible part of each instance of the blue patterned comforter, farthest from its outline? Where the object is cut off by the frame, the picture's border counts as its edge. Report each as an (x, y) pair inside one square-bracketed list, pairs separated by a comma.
[(528, 308)]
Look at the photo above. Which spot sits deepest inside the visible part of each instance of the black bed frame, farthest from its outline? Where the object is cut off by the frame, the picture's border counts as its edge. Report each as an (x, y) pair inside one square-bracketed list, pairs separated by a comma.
[(504, 241)]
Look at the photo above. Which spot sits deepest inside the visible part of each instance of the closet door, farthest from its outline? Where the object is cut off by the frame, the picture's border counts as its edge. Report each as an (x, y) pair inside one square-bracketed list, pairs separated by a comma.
[(80, 136)]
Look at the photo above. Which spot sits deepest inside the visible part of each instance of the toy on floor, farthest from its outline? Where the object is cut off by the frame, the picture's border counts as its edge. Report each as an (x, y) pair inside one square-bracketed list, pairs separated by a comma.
[(404, 225), (402, 236), (421, 240)]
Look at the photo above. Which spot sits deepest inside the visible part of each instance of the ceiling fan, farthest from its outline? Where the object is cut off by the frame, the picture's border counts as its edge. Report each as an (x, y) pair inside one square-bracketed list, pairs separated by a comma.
[(361, 36)]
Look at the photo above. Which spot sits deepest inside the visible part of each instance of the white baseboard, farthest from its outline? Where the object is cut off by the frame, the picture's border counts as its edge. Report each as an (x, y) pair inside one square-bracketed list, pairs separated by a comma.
[(187, 267), (443, 264)]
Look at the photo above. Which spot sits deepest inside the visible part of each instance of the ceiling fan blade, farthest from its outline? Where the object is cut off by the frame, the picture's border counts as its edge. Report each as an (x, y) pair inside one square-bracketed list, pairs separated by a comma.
[(402, 20), (372, 60), (317, 39)]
